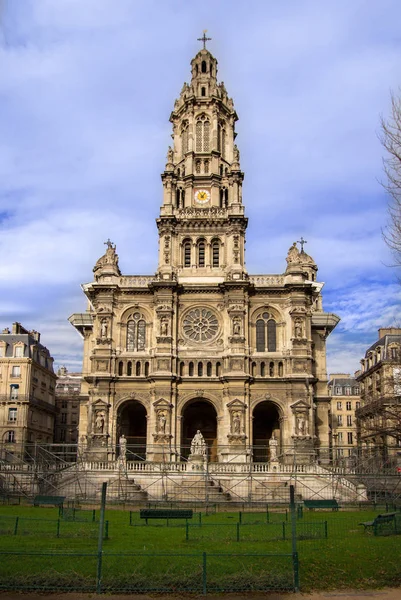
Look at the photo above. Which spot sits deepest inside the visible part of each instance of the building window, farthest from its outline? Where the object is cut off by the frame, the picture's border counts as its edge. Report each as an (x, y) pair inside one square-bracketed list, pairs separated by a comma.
[(129, 368), (394, 352), (216, 254), (19, 352), (204, 67), (218, 369), (338, 390), (356, 391), (136, 333), (200, 369), (349, 437), (16, 371), (146, 369), (339, 420), (357, 404), (262, 369), (187, 253), (271, 369), (191, 369), (63, 418), (202, 133), (201, 254), (349, 420), (348, 405), (184, 137), (339, 405), (182, 369), (265, 331), (14, 391), (120, 368), (64, 404), (347, 391), (12, 414), (138, 368), (10, 437), (209, 369)]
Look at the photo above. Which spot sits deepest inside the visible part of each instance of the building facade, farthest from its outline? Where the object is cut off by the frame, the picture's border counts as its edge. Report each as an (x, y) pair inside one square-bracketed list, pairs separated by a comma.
[(202, 345), (379, 417), (27, 391), (345, 400), (68, 388)]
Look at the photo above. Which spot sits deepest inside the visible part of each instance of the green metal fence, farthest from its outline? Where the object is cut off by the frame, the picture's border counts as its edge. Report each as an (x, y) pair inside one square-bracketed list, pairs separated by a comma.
[(148, 572), (17, 525)]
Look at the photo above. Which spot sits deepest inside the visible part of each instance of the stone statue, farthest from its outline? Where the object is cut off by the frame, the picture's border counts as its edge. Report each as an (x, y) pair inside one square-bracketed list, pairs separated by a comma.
[(164, 326), (170, 155), (103, 329), (109, 260), (161, 421), (273, 443), (198, 444), (99, 422), (302, 425), (298, 328), (236, 423), (236, 327), (236, 153), (293, 254), (123, 445)]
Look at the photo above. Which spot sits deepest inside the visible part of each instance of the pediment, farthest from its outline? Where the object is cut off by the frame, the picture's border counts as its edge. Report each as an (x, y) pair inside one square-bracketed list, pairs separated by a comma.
[(99, 403), (300, 406), (236, 404), (162, 403)]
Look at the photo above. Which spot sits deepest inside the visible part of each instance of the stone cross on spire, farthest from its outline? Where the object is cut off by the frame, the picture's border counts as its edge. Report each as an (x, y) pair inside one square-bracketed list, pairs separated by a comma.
[(302, 242), (204, 39)]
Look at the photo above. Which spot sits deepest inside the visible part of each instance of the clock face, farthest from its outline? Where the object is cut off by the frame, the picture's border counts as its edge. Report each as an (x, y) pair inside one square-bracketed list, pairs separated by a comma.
[(201, 196)]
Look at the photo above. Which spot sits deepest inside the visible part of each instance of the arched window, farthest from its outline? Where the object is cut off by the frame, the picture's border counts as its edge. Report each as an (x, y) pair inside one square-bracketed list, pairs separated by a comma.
[(191, 369), (202, 134), (182, 369), (187, 253), (200, 369), (129, 368), (216, 253), (223, 143), (260, 335), (146, 369), (204, 66), (184, 137), (201, 253), (271, 369), (262, 369), (266, 332), (253, 369), (218, 369), (221, 197), (120, 367), (209, 369), (203, 91), (136, 333), (138, 368)]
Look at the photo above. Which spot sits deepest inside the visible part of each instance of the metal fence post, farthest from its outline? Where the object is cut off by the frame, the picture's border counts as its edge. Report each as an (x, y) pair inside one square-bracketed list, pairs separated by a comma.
[(100, 540), (294, 539), (204, 580), (16, 525)]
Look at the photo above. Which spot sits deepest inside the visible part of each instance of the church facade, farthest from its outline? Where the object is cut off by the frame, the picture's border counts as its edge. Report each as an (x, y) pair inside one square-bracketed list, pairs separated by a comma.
[(204, 347)]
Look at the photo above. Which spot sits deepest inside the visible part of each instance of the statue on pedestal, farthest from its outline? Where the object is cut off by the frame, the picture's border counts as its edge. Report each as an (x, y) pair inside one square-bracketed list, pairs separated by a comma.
[(198, 445), (273, 443)]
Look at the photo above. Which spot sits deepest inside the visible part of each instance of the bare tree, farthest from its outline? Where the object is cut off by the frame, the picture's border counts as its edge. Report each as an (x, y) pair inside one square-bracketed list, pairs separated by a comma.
[(390, 137)]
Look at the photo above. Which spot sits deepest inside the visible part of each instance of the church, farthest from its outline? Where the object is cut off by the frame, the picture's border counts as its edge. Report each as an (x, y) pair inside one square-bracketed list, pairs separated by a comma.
[(203, 363)]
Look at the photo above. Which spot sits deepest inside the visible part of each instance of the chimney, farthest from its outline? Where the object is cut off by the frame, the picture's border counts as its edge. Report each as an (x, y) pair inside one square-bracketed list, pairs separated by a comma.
[(389, 331)]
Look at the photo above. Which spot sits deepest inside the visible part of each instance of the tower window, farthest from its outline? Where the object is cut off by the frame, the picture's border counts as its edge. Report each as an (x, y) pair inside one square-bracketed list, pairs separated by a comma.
[(203, 91), (271, 369), (146, 369), (184, 137), (182, 367), (191, 369), (138, 368), (129, 368), (215, 254), (120, 368), (187, 253), (200, 369), (262, 369), (204, 66), (218, 369), (202, 131), (201, 254), (209, 369)]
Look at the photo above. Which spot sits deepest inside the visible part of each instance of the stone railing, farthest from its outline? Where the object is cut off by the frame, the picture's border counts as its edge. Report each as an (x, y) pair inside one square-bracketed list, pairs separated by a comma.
[(206, 213), (266, 280), (136, 280)]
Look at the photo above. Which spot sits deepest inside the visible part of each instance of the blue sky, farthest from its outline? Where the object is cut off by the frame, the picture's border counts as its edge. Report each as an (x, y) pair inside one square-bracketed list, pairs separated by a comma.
[(86, 90)]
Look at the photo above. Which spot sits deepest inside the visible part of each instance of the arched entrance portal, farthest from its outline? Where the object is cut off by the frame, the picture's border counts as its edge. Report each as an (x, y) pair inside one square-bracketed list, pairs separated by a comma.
[(265, 423), (132, 423), (199, 414)]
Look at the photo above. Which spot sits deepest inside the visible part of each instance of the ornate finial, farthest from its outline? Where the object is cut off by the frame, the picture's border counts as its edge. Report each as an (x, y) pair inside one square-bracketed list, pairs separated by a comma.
[(302, 242), (204, 39)]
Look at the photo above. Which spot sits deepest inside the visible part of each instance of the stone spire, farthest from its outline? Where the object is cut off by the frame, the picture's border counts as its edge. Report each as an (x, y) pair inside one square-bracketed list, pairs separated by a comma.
[(202, 181)]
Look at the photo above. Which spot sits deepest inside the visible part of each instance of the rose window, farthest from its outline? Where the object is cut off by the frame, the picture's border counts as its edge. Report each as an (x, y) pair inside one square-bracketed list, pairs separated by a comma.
[(200, 325)]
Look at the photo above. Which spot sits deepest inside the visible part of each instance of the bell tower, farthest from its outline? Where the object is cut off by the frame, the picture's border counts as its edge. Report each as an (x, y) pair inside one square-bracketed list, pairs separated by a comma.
[(202, 223)]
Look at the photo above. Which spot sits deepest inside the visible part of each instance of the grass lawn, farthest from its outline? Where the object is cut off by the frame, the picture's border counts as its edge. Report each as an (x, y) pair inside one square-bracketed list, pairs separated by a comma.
[(138, 557)]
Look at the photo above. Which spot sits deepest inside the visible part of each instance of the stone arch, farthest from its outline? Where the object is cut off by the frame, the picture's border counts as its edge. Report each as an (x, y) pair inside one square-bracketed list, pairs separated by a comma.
[(199, 413), (267, 417), (132, 422)]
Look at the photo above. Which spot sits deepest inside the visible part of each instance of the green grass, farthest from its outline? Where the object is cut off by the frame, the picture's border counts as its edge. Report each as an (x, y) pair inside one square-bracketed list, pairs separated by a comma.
[(348, 558)]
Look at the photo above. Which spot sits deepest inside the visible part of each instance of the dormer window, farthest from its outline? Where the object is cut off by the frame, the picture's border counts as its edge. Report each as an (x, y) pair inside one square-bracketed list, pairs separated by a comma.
[(18, 351)]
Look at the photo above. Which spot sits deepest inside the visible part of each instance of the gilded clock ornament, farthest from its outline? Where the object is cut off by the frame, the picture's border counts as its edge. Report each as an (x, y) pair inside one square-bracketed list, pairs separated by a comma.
[(202, 196)]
